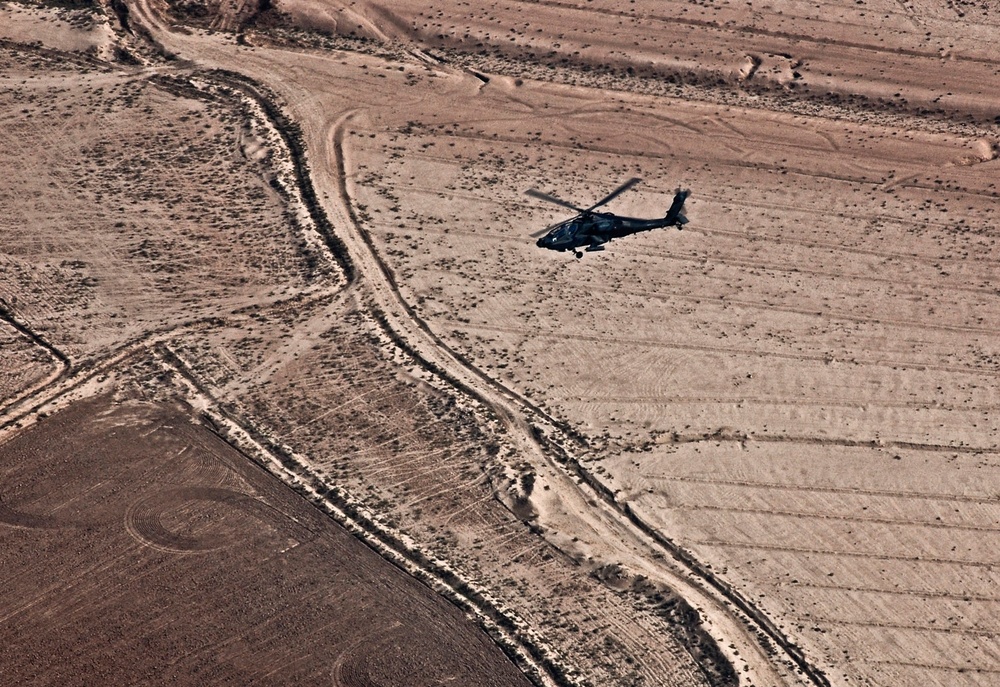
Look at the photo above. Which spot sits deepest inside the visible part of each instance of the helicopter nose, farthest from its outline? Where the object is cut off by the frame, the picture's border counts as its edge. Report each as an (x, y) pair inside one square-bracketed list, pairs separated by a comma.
[(540, 242)]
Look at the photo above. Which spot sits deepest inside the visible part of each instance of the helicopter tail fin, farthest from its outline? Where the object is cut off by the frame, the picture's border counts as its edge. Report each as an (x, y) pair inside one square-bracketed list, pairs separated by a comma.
[(675, 214)]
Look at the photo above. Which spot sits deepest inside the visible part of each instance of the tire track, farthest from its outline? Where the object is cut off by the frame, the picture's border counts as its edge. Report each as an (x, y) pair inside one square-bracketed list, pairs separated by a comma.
[(776, 401), (511, 409), (13, 517), (924, 594), (839, 518), (143, 519), (932, 666), (840, 490), (617, 152), (7, 315), (537, 334), (957, 562), (973, 632), (820, 311)]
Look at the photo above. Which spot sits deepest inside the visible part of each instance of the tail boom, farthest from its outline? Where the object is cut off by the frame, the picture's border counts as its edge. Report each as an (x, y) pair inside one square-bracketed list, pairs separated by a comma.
[(675, 215)]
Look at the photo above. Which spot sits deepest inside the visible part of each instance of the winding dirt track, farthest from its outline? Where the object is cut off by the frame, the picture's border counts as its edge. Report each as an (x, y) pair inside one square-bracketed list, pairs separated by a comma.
[(89, 374), (784, 412), (60, 369), (324, 109)]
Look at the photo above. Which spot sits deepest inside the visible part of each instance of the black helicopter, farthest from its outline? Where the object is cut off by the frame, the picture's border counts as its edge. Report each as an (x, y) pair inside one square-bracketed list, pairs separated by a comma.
[(594, 229)]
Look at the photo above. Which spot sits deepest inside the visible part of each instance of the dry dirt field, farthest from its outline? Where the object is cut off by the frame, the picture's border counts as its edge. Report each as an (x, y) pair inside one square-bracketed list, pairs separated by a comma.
[(762, 450), (139, 548)]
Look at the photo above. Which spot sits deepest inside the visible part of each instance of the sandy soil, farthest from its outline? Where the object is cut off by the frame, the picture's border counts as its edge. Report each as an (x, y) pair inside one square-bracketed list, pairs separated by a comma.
[(67, 28), (912, 55), (122, 188), (140, 283), (823, 327), (781, 414)]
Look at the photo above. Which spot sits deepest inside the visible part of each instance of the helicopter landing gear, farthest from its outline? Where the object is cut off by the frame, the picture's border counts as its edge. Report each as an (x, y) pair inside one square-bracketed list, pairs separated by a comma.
[(578, 254)]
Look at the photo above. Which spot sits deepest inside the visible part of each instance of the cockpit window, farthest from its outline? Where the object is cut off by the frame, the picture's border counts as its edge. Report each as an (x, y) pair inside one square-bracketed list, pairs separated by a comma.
[(566, 230)]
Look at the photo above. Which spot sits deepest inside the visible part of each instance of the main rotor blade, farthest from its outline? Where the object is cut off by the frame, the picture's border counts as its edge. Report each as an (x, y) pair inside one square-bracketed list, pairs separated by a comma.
[(552, 199), (546, 230), (614, 194)]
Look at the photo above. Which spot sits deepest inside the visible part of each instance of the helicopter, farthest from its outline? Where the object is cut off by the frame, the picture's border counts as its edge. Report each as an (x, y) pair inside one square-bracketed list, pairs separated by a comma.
[(594, 229)]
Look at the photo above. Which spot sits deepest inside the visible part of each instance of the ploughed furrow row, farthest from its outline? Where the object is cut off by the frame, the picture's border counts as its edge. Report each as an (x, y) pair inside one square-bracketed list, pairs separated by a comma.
[(796, 515), (972, 632), (821, 402), (815, 488), (879, 591), (532, 334), (820, 311), (752, 546)]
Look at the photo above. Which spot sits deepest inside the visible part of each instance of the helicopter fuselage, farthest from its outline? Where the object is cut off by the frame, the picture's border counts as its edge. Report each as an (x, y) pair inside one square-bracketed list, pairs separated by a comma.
[(596, 229), (591, 230)]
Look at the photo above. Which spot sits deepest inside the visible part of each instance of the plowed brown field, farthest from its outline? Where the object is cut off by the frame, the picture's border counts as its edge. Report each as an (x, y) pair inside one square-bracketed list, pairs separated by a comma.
[(139, 548)]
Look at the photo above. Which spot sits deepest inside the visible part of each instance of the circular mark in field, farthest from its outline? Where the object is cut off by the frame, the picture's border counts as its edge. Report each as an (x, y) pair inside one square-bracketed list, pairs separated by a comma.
[(401, 655), (16, 518), (192, 519)]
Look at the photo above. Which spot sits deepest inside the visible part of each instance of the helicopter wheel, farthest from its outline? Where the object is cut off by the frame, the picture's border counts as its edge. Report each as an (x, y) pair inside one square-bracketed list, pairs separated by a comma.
[(578, 254)]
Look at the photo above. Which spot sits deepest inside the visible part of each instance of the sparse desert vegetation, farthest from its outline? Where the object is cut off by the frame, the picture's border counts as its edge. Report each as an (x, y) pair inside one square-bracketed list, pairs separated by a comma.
[(760, 450)]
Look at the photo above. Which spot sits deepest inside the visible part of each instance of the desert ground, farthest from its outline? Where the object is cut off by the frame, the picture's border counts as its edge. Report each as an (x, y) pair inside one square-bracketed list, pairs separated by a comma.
[(280, 354), (122, 563)]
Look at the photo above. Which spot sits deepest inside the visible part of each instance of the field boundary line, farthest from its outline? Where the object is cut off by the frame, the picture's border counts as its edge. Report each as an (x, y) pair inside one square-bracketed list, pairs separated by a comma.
[(508, 631)]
